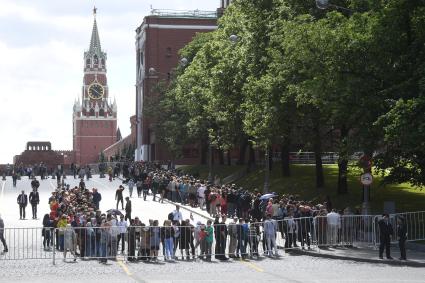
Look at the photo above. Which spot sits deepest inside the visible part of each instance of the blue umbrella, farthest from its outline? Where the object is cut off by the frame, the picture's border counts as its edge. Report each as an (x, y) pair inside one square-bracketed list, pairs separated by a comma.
[(114, 212), (268, 196)]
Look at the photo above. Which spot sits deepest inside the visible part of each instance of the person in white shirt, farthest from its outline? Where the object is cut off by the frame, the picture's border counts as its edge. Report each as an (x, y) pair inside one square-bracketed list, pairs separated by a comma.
[(122, 227), (201, 196), (270, 230), (114, 231), (334, 223), (177, 215)]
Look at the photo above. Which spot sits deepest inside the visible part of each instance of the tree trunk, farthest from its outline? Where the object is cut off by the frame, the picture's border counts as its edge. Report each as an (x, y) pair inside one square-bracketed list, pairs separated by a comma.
[(320, 180), (213, 151), (251, 161), (343, 162), (270, 159), (242, 152), (204, 152), (286, 170), (229, 158), (221, 156)]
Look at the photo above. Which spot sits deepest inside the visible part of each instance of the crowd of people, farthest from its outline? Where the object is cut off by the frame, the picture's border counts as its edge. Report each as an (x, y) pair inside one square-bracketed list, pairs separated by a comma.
[(76, 224)]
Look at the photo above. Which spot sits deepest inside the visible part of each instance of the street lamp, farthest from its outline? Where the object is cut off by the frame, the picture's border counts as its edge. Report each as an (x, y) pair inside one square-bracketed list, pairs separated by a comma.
[(233, 38), (184, 62), (267, 153), (210, 165), (267, 172)]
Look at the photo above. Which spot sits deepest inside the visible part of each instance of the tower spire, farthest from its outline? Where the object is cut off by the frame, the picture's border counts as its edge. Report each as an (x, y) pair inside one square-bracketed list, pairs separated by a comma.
[(95, 41)]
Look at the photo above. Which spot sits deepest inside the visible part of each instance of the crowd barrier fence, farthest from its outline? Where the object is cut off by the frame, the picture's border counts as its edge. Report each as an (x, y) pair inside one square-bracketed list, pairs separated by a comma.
[(244, 240)]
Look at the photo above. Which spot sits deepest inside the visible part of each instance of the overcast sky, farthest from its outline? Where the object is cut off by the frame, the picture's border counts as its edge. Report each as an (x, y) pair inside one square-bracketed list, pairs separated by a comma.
[(41, 63)]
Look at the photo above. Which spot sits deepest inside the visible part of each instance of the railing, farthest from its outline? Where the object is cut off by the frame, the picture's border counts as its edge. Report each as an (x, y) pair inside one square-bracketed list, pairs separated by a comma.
[(28, 243), (267, 238), (308, 157), (184, 14), (414, 221), (235, 176)]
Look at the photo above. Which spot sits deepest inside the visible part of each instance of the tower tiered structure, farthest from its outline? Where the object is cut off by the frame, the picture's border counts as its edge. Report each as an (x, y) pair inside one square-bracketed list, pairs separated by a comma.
[(94, 116)]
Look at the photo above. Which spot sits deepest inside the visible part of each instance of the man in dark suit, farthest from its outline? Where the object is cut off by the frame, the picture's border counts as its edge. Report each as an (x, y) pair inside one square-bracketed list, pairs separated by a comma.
[(402, 237), (128, 209), (97, 197), (22, 201), (34, 200), (386, 230)]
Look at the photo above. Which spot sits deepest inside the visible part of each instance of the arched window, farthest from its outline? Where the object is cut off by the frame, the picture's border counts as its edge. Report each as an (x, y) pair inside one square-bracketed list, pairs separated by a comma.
[(92, 112), (88, 62), (102, 63), (101, 113)]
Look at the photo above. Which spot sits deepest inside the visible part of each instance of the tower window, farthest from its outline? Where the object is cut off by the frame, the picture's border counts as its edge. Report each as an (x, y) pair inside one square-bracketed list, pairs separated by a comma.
[(102, 63), (88, 62), (95, 61)]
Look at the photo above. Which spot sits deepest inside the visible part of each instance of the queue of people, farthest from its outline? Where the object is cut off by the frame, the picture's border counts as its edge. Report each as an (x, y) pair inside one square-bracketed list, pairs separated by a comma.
[(76, 225)]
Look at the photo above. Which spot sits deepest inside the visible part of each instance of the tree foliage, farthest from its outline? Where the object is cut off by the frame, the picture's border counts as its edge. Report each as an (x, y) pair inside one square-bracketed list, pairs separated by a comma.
[(296, 72)]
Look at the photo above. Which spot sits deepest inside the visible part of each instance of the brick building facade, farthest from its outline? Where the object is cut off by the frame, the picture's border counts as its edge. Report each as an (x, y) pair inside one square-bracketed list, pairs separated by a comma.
[(158, 41)]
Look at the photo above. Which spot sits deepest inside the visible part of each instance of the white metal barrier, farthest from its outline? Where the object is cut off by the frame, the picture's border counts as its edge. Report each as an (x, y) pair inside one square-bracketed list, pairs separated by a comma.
[(189, 242), (27, 243)]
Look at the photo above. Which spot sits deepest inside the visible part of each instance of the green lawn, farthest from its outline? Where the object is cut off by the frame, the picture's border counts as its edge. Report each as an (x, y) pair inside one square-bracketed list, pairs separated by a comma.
[(302, 183)]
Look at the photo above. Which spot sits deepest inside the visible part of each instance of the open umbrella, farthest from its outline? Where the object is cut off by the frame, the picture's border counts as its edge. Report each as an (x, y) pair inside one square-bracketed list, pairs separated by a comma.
[(268, 196), (114, 212)]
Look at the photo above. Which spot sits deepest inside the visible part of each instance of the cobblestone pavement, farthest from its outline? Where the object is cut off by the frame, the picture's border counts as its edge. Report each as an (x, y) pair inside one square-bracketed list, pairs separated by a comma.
[(289, 268)]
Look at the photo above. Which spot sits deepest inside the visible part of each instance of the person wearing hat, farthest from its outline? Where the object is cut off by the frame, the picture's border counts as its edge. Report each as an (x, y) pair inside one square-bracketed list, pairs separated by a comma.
[(386, 230), (3, 241)]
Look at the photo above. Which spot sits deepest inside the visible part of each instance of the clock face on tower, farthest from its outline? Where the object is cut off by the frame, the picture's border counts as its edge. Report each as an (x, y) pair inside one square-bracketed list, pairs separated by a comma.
[(96, 91)]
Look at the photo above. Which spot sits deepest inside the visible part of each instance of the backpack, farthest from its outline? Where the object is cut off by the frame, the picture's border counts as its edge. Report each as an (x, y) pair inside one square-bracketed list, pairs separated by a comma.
[(170, 216)]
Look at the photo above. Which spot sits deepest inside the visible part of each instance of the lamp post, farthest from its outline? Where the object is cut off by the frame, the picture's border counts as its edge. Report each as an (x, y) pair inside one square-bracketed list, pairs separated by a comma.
[(267, 173), (210, 165)]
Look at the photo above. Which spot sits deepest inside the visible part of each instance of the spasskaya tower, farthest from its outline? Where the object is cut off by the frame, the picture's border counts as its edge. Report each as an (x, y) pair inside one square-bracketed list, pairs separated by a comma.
[(94, 116)]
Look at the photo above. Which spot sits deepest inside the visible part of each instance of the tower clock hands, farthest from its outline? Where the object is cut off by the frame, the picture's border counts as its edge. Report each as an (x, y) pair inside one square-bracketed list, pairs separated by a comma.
[(96, 91)]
